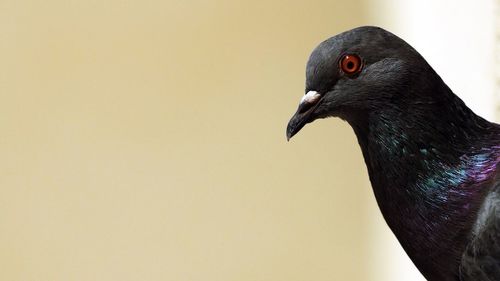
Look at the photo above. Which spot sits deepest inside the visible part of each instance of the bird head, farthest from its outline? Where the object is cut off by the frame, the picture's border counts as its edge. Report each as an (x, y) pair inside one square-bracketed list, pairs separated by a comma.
[(357, 72)]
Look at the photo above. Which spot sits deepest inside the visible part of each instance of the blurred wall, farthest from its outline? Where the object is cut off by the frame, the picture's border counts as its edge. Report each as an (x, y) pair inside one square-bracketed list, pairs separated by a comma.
[(145, 140)]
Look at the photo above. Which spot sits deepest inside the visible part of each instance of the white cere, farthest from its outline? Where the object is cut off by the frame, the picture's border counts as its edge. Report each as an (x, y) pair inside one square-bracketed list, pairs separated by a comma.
[(310, 97)]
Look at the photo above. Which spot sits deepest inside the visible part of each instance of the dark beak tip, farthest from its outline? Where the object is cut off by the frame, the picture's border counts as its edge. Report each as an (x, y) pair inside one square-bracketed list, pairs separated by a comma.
[(291, 129), (299, 120)]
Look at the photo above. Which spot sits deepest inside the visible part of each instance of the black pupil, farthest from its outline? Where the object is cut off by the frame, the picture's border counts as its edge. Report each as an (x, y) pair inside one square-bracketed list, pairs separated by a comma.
[(350, 65)]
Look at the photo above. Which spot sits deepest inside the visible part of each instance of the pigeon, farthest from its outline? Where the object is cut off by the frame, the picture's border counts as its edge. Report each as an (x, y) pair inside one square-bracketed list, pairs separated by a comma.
[(434, 165)]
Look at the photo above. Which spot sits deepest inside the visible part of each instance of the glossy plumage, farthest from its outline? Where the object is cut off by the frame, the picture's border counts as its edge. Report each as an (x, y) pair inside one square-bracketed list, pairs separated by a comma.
[(432, 162)]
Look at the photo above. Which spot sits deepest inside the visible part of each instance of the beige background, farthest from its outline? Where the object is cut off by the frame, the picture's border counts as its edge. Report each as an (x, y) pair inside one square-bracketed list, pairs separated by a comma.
[(145, 140)]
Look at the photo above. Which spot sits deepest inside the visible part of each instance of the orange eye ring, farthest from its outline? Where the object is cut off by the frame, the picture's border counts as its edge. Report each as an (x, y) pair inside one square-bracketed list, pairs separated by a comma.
[(351, 64)]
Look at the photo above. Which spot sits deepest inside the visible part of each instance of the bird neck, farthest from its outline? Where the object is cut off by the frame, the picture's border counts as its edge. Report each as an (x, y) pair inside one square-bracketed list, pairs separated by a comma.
[(421, 160)]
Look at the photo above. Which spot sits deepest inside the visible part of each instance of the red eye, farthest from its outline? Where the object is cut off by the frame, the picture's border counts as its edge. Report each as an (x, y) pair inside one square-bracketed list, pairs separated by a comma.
[(351, 64)]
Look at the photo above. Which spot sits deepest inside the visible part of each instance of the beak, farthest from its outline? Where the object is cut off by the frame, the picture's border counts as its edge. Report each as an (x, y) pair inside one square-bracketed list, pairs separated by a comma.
[(303, 115)]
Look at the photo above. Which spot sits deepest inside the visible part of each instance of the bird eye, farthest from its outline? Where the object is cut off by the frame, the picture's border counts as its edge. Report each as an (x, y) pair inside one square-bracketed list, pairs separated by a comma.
[(351, 64)]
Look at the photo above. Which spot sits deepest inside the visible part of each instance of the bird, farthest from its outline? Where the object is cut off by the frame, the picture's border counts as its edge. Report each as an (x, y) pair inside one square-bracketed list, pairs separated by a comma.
[(433, 164)]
